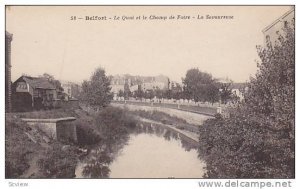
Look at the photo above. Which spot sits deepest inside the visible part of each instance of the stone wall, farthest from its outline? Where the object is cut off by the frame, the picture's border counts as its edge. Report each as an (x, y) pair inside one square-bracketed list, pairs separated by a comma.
[(48, 128), (61, 129)]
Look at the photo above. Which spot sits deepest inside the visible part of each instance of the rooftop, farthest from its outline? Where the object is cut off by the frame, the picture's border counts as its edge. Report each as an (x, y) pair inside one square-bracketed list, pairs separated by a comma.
[(38, 82), (279, 20)]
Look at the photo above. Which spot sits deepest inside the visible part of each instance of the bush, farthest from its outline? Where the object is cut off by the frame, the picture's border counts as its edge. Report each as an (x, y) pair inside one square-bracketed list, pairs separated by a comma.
[(258, 140), (57, 162), (87, 133), (114, 122), (160, 116), (114, 126), (18, 147)]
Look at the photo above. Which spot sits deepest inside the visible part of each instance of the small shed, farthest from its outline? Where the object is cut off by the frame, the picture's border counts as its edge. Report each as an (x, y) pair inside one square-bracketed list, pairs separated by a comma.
[(32, 93)]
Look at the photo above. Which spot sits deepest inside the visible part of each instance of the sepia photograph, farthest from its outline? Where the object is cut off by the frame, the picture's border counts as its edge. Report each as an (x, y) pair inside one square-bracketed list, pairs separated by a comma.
[(160, 92)]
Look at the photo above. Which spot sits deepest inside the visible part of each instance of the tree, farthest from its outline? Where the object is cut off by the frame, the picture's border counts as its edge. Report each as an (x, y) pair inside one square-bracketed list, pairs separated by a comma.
[(211, 93), (121, 93), (96, 91), (199, 86), (139, 93), (258, 140), (56, 83), (149, 94), (176, 91), (127, 92), (158, 93), (225, 92)]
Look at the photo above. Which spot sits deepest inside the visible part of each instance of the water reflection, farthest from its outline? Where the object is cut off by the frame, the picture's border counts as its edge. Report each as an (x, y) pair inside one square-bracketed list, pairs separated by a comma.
[(167, 133), (97, 165), (150, 156), (153, 151)]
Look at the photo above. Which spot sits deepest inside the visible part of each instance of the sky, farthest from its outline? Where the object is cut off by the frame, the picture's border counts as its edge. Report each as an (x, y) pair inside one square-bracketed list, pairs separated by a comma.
[(45, 39)]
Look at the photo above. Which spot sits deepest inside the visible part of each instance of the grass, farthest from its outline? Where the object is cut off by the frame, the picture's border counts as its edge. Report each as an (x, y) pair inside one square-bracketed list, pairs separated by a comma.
[(166, 119), (109, 127), (18, 147), (192, 108), (159, 116), (46, 114)]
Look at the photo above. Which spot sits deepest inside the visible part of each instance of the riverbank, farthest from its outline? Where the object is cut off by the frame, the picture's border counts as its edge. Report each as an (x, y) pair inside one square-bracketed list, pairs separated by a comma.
[(100, 136), (192, 135), (30, 153), (189, 117)]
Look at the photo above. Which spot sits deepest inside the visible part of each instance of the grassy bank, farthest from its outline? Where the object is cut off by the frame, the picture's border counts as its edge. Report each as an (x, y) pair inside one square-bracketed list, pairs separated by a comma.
[(166, 119), (46, 114), (203, 109), (31, 154)]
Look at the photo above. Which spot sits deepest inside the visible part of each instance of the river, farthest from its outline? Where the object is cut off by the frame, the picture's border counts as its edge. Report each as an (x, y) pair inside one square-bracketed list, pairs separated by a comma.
[(152, 151)]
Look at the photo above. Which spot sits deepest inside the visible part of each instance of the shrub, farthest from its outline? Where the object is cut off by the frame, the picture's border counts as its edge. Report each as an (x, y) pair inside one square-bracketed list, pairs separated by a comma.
[(18, 147), (87, 133), (57, 162), (258, 140)]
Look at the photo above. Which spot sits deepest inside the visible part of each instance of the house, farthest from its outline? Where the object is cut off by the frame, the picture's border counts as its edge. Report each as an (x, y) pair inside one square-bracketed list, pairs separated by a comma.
[(71, 90), (238, 90), (67, 90), (33, 93), (272, 31)]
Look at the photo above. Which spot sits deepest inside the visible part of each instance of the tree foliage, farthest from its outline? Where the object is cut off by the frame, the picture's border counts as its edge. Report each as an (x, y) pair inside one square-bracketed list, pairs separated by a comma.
[(200, 86), (56, 83), (258, 140), (225, 92), (176, 91), (96, 91)]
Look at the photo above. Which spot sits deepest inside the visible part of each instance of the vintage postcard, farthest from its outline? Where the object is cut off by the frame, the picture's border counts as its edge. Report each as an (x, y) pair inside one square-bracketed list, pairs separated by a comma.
[(150, 92)]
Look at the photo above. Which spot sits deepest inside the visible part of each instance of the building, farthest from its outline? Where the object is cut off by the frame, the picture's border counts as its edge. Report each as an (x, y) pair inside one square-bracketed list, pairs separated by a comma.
[(67, 90), (161, 81), (71, 90), (118, 83), (272, 31), (8, 102), (33, 93), (238, 89), (153, 86)]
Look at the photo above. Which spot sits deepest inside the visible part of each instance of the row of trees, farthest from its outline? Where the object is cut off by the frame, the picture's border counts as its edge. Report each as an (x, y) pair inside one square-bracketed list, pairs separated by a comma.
[(197, 86), (258, 140), (151, 93), (201, 86)]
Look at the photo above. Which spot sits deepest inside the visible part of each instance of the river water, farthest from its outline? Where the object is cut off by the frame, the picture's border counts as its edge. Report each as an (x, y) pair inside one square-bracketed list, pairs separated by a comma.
[(152, 151)]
